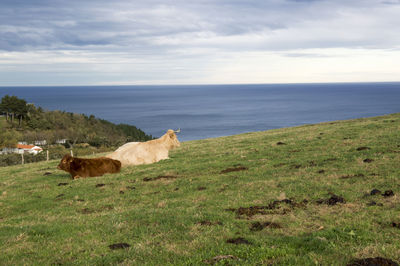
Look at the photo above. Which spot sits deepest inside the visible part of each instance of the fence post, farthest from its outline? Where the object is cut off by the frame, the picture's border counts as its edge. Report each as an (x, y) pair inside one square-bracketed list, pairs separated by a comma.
[(22, 156), (47, 155)]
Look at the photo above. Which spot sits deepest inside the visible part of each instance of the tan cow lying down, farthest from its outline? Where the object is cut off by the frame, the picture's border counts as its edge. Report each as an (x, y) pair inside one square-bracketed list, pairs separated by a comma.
[(134, 153)]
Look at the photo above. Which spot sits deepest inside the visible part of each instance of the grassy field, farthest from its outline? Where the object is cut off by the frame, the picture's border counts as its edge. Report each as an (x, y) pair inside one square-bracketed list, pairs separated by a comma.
[(294, 196)]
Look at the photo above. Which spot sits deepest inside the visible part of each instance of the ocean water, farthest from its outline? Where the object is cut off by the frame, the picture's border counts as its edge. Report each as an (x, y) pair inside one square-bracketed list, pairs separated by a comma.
[(206, 111)]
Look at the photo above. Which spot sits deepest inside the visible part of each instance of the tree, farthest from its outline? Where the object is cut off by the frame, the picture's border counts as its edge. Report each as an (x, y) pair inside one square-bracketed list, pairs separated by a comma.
[(8, 139), (21, 109), (14, 106), (5, 105)]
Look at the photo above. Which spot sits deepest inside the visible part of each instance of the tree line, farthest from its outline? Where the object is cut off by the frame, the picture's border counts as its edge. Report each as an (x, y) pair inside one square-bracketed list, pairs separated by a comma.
[(12, 107), (37, 124)]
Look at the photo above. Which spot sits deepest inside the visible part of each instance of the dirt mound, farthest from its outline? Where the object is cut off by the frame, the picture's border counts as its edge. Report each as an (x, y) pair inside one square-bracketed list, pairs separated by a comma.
[(119, 246), (396, 225), (375, 192), (388, 193), (238, 241), (368, 160), (257, 226), (378, 261), (363, 148), (234, 169), (333, 200), (146, 179), (268, 209)]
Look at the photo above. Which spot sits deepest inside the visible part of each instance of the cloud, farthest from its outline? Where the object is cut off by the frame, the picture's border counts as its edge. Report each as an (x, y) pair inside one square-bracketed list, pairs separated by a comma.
[(155, 39)]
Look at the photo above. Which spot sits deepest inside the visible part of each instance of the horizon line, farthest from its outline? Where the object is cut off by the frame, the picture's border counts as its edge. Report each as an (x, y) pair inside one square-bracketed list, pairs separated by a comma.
[(198, 84)]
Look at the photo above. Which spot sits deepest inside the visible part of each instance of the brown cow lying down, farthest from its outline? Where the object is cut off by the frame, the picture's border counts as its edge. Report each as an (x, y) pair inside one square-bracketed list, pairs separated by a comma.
[(134, 153), (79, 167)]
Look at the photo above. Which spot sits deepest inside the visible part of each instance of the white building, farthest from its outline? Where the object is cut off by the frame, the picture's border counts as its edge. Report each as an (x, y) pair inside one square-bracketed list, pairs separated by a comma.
[(22, 148)]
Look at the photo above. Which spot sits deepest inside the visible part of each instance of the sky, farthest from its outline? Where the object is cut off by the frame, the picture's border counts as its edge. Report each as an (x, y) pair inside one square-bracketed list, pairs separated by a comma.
[(131, 42)]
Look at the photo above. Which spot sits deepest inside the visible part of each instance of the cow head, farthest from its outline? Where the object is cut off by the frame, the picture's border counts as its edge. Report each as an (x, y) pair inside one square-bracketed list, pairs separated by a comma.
[(171, 139), (65, 163)]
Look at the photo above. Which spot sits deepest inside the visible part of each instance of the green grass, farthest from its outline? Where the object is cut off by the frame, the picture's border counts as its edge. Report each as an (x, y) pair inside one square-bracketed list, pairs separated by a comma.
[(44, 223)]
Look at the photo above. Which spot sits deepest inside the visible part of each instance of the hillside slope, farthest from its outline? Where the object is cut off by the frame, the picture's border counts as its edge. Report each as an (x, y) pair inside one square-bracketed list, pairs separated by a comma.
[(294, 196)]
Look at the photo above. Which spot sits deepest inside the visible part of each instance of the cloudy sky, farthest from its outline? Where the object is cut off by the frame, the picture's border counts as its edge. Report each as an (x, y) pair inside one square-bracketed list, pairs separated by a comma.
[(92, 42)]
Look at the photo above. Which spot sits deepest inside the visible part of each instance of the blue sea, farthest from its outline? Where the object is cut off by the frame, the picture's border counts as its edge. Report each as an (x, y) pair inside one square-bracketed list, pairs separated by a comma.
[(207, 111)]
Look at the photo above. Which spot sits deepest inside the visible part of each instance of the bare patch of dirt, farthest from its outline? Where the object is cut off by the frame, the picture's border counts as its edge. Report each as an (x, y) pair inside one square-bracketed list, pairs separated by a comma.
[(333, 200), (363, 148), (238, 241), (257, 226), (234, 169), (119, 246), (378, 261), (201, 188), (368, 160), (146, 179), (351, 176), (209, 223), (86, 211), (100, 185), (220, 258), (62, 184)]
